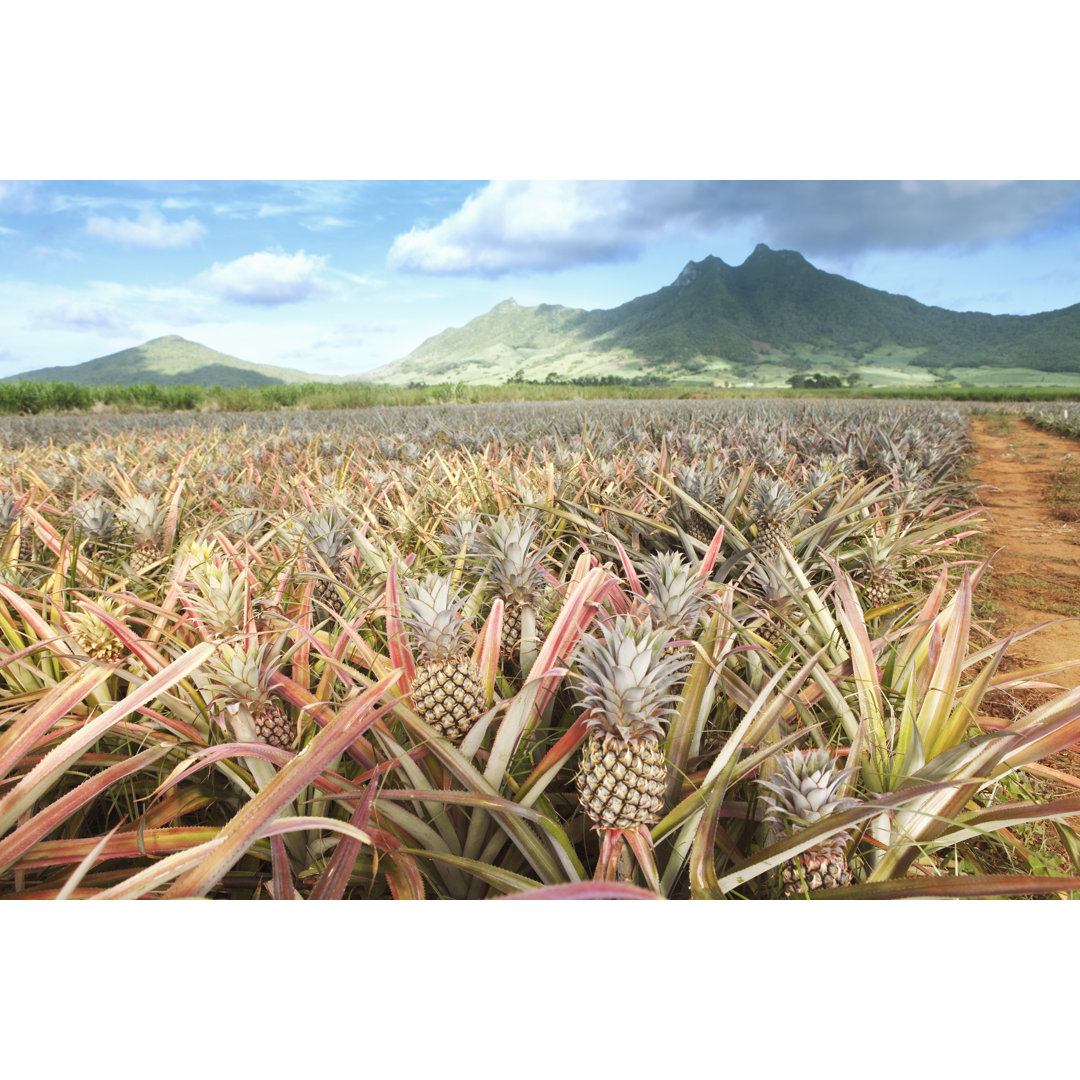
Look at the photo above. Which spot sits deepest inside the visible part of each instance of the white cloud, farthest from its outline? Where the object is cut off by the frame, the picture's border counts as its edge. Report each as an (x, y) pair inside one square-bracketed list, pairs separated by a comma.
[(150, 230), (85, 315), (18, 194), (551, 225), (268, 278)]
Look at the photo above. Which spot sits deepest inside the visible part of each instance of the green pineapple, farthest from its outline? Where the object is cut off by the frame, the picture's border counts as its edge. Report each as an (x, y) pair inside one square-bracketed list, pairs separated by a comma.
[(772, 511), (447, 693), (802, 793), (627, 677)]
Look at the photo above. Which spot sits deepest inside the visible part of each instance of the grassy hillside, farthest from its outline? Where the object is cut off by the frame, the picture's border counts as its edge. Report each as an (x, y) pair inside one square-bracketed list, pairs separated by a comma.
[(172, 361), (752, 325)]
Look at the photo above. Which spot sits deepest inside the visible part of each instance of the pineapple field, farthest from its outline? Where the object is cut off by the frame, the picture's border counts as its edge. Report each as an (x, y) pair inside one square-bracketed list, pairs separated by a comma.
[(595, 650)]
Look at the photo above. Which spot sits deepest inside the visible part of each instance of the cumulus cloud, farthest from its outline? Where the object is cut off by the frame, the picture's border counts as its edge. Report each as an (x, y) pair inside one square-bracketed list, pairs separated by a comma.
[(85, 315), (150, 230), (552, 225), (268, 278)]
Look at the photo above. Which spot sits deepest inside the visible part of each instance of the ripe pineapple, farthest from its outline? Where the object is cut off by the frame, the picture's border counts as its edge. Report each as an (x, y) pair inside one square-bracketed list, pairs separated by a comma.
[(145, 517), (93, 636), (327, 536), (446, 691), (772, 509), (516, 571), (239, 678), (627, 678), (802, 793)]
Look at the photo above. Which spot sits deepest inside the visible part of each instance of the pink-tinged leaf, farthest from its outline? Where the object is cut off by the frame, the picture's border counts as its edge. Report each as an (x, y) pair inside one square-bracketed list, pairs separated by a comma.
[(711, 555), (54, 814), (237, 836), (334, 879), (629, 570), (397, 642), (360, 751), (125, 845), (553, 761), (586, 890), (52, 768), (160, 872), (486, 653), (80, 871), (965, 886), (282, 882), (640, 843), (44, 631), (47, 712)]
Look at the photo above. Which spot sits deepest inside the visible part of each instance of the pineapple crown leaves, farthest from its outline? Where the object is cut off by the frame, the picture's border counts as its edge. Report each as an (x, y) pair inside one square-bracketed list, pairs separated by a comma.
[(431, 613), (219, 602), (144, 515), (326, 532), (517, 570), (96, 517), (804, 791), (676, 592), (627, 678), (771, 499), (9, 512)]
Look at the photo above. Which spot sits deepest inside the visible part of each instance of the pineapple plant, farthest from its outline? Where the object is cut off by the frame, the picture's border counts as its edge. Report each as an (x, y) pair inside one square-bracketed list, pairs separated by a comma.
[(772, 512), (803, 792), (9, 525), (627, 677), (145, 519), (238, 677), (447, 693), (515, 569), (326, 536)]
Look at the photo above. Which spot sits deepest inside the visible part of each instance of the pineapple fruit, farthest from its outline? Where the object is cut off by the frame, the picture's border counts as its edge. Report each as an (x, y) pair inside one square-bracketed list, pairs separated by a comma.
[(93, 636), (703, 486), (326, 536), (447, 692), (772, 511), (627, 677), (802, 793), (145, 518), (239, 679)]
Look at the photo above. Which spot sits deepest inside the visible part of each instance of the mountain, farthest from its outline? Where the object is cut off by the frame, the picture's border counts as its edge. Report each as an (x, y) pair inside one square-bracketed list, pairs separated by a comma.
[(168, 361), (760, 322)]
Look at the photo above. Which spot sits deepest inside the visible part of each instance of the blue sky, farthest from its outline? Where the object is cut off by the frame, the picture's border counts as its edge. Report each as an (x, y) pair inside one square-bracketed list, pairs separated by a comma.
[(339, 277)]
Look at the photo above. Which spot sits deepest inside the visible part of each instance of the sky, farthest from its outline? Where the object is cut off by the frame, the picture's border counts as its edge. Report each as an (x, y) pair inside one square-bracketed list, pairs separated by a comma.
[(338, 277)]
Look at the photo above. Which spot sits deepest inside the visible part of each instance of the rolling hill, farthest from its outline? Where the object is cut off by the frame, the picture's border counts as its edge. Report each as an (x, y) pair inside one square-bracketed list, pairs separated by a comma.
[(171, 361), (758, 323)]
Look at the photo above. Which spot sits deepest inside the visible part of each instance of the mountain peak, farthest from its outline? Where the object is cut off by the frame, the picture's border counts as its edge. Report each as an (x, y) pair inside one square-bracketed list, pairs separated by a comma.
[(693, 270), (763, 255), (510, 304)]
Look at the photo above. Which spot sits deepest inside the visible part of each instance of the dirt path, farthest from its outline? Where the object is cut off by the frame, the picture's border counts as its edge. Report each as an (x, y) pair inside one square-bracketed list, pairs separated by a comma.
[(1035, 577)]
